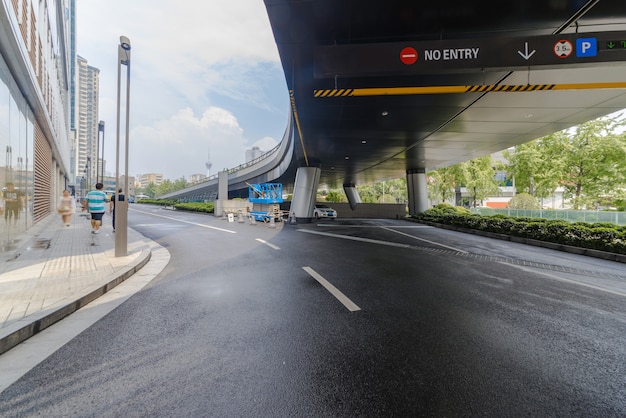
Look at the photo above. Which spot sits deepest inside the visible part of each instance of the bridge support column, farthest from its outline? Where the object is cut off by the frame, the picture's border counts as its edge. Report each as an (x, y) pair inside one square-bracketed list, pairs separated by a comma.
[(305, 193), (352, 194), (222, 192), (417, 191)]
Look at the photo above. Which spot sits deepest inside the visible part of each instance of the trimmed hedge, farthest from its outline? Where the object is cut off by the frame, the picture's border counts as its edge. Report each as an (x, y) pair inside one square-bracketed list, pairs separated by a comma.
[(208, 207), (196, 207), (596, 236)]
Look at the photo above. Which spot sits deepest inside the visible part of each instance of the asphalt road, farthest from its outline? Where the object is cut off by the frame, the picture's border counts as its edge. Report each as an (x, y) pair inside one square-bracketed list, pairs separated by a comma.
[(340, 319)]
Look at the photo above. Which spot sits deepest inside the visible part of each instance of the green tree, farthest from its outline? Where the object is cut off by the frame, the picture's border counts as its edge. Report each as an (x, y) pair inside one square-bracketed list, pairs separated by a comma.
[(536, 166), (479, 178), (523, 201), (388, 191), (391, 191), (169, 186), (335, 196), (150, 190), (594, 160), (443, 182), (588, 160), (367, 193)]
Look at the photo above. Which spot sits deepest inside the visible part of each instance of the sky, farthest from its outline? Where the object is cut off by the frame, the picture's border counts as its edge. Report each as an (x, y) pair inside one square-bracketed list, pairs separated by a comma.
[(206, 82)]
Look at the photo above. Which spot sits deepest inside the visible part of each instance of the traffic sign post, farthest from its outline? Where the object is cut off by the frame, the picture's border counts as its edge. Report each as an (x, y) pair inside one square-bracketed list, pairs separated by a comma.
[(406, 58)]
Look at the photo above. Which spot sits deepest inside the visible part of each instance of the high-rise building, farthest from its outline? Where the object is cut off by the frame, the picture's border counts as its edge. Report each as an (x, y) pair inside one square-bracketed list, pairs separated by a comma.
[(253, 154), (146, 179), (87, 123), (196, 178), (35, 58)]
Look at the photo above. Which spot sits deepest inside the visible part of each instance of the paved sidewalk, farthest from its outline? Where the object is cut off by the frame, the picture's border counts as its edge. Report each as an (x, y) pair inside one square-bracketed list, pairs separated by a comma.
[(56, 270)]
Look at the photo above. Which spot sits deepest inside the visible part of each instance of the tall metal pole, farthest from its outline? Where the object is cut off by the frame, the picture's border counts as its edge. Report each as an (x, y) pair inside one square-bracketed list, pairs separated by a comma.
[(126, 191), (121, 206), (98, 156), (101, 129)]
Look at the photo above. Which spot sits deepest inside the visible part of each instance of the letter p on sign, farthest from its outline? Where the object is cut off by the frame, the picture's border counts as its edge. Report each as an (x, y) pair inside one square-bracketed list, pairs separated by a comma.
[(586, 47)]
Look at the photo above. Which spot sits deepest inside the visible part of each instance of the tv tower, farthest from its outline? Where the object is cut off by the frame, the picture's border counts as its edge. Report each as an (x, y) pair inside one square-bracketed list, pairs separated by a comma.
[(208, 164)]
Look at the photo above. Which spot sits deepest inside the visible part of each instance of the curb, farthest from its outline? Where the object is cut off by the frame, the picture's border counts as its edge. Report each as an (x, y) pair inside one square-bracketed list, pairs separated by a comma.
[(19, 332)]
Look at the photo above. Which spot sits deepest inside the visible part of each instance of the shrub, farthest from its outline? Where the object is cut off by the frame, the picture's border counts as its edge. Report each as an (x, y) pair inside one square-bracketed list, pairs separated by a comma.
[(523, 201), (599, 236), (196, 207)]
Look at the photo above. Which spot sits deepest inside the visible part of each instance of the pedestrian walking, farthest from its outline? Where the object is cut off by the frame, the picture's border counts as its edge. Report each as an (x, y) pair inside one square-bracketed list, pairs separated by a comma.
[(112, 205), (94, 202), (66, 207)]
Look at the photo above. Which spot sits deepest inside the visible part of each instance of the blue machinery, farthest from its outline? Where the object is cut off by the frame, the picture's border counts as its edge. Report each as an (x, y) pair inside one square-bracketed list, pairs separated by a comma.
[(266, 199)]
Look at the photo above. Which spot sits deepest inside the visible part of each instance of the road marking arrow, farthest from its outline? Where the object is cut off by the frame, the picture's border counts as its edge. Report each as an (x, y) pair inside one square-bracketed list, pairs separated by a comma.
[(526, 55)]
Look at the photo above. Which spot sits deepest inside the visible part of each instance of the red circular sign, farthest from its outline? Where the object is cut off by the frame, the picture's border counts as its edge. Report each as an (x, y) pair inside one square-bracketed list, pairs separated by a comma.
[(408, 55), (563, 48)]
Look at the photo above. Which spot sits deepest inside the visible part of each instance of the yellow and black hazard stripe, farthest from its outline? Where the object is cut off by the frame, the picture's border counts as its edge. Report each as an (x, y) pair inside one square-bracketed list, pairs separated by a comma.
[(334, 93), (505, 88)]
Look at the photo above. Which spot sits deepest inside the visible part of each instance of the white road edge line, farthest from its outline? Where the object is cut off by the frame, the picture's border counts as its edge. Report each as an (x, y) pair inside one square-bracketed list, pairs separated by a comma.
[(186, 222), (262, 241), (371, 241), (563, 279), (425, 240), (352, 307)]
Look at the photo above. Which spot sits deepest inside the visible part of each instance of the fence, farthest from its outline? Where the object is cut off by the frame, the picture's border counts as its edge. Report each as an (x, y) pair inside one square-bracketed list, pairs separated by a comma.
[(589, 216)]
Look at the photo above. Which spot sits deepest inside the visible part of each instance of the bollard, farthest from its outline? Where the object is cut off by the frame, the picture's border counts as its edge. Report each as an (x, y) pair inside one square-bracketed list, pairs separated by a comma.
[(252, 219), (272, 222), (224, 215), (240, 218), (292, 218)]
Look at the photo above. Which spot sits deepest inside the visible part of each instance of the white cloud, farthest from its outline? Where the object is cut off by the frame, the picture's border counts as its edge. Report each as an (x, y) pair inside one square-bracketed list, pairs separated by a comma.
[(265, 144), (182, 143), (200, 70)]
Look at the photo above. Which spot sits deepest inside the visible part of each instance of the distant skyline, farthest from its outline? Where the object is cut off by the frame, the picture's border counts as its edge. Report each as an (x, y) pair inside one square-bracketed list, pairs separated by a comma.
[(204, 75)]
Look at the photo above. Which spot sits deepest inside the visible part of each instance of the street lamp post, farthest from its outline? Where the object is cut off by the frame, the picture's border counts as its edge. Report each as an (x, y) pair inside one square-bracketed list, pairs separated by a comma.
[(121, 206), (88, 172), (100, 164)]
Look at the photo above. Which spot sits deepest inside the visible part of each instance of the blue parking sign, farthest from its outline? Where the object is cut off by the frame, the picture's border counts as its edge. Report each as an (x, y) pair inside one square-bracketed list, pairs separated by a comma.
[(586, 47)]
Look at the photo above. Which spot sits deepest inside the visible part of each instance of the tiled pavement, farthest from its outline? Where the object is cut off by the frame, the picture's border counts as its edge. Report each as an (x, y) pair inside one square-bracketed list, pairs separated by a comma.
[(55, 270)]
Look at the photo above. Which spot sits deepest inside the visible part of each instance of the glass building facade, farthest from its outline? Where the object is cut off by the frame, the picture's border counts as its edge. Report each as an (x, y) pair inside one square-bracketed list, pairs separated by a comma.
[(35, 139), (16, 159)]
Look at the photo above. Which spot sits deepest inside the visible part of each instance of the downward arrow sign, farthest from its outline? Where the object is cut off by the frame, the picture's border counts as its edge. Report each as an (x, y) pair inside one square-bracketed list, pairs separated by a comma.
[(526, 55)]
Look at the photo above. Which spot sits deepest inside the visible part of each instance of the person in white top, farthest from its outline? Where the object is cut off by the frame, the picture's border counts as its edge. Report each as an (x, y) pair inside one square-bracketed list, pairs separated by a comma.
[(66, 207)]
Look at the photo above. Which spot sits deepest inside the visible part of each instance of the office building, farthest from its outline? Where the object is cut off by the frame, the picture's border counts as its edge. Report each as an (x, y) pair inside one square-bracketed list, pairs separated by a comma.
[(253, 154), (197, 178), (86, 124), (146, 179)]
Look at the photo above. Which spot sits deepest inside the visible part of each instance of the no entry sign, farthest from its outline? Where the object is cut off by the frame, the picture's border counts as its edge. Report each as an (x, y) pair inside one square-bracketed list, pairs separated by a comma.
[(408, 56)]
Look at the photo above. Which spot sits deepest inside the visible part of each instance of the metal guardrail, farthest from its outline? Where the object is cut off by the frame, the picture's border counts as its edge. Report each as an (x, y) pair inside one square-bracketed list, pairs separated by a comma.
[(589, 216)]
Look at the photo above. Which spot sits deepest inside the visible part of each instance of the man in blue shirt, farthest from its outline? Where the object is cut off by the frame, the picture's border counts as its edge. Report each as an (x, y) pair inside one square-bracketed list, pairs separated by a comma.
[(94, 202)]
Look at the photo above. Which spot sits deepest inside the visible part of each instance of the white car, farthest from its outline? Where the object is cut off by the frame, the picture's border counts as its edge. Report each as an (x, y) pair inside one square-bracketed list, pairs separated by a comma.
[(323, 211)]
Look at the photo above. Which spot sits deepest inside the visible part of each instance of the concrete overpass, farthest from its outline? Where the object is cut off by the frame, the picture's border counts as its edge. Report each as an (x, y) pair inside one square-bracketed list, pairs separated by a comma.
[(385, 89)]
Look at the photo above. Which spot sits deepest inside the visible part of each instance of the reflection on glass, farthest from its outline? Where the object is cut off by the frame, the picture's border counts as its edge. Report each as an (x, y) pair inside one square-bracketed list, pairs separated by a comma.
[(16, 172)]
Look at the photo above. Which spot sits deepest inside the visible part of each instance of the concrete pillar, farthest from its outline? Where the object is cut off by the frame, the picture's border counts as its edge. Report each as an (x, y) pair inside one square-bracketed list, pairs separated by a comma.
[(417, 191), (305, 193), (352, 194), (222, 192)]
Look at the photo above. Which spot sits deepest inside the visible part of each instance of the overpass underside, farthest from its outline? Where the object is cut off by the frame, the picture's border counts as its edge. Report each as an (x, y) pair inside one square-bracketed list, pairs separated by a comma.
[(382, 89)]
